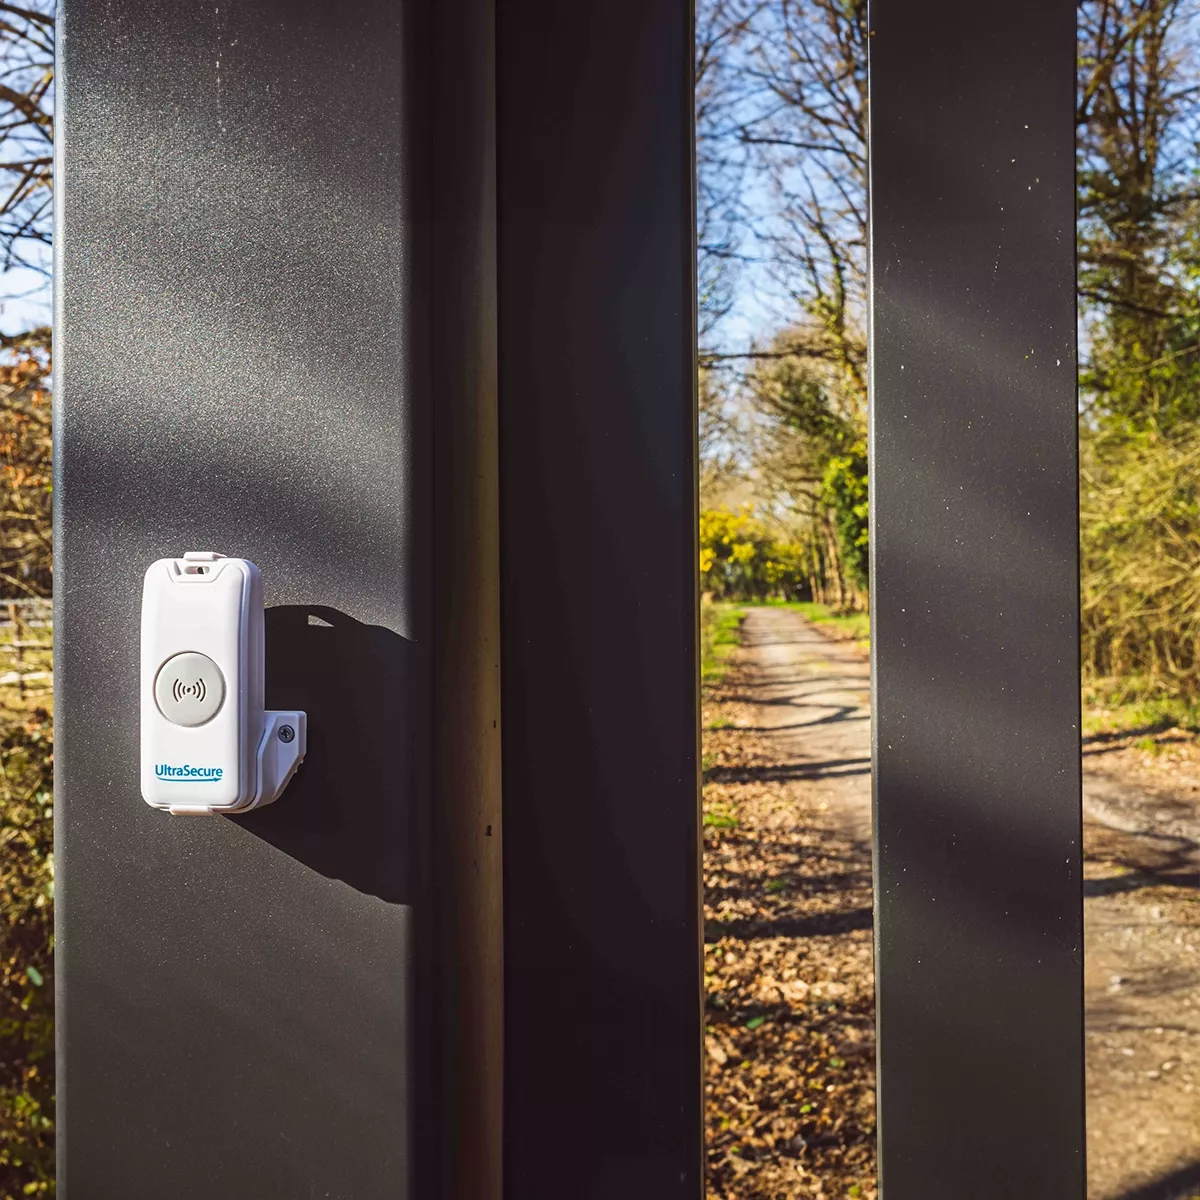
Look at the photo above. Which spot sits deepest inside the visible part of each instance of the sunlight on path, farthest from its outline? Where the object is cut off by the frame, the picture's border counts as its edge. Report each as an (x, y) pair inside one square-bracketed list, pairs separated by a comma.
[(787, 894)]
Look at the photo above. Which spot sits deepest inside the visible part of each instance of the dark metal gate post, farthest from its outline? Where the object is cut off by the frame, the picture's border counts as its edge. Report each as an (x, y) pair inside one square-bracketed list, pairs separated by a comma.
[(598, 531), (242, 366), (301, 244), (975, 600)]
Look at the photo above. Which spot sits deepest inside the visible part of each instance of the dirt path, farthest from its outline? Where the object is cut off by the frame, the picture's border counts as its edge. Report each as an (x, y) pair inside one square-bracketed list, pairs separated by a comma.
[(790, 1027), (1142, 980), (815, 702), (788, 795)]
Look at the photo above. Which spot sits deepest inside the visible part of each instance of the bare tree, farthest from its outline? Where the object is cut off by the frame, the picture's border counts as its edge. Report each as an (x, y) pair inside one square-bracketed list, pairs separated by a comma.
[(1138, 121), (782, 151), (26, 133), (811, 143), (801, 117), (782, 108), (721, 26)]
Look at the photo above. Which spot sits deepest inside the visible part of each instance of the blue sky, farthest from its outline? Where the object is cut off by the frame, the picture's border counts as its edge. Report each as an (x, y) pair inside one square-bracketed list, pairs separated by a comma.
[(28, 302)]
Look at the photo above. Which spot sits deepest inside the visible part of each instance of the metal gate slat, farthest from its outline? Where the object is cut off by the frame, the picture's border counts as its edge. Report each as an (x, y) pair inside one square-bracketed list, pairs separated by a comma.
[(975, 600)]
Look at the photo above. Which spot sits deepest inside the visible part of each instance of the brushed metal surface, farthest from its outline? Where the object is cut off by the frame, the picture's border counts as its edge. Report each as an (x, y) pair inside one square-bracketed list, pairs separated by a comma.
[(975, 601), (236, 370)]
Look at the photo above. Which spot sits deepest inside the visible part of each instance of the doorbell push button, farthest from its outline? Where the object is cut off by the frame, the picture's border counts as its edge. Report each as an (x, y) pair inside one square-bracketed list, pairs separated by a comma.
[(209, 744), (189, 689)]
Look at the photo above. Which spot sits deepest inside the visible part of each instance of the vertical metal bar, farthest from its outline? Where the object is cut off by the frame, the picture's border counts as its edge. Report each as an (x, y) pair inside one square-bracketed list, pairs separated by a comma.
[(238, 369), (468, 1014), (598, 576), (975, 600)]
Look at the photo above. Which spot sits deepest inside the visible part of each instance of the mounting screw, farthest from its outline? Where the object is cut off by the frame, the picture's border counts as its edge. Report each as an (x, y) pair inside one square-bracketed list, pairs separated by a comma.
[(286, 733)]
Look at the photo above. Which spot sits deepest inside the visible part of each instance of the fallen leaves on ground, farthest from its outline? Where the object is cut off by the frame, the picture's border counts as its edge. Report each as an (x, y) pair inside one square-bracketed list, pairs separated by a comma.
[(790, 1045)]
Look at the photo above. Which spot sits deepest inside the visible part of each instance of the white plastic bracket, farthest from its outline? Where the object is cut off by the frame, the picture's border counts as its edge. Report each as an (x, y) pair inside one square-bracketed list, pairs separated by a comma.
[(281, 751)]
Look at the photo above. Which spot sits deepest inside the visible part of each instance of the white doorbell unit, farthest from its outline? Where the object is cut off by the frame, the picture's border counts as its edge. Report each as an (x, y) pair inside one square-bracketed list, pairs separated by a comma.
[(208, 746)]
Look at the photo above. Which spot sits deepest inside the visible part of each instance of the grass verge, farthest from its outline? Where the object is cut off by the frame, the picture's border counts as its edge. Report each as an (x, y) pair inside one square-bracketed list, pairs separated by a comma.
[(720, 634), (1112, 711)]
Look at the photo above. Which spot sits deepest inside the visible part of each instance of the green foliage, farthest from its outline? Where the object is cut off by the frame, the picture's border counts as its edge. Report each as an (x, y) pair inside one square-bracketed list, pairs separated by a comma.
[(1140, 561), (720, 820), (1106, 711), (1139, 282), (26, 961), (803, 398), (844, 491), (1142, 372), (815, 462)]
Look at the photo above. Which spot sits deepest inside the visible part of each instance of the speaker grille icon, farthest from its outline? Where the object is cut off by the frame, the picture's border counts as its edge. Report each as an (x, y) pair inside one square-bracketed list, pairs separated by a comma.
[(188, 691)]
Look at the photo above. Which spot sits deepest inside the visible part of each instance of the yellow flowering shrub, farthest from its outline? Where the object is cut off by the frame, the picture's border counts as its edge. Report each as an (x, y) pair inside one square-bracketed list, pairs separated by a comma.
[(741, 558)]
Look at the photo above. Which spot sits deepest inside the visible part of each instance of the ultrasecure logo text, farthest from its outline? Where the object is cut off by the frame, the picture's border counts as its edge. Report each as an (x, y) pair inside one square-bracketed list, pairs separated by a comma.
[(188, 774)]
